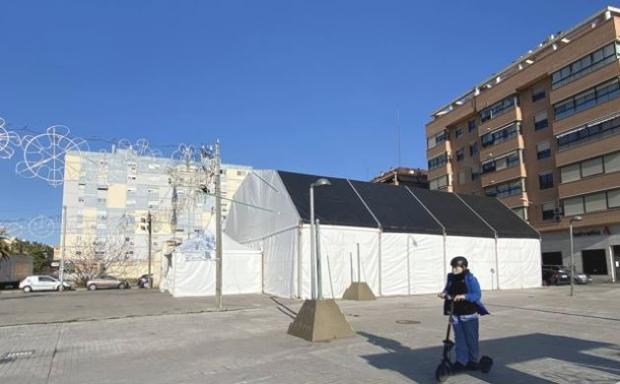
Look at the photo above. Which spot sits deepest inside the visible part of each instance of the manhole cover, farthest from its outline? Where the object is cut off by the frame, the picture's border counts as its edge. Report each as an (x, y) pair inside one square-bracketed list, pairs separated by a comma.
[(407, 322)]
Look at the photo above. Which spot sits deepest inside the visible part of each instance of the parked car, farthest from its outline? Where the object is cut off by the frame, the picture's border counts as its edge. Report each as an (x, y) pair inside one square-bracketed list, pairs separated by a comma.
[(42, 283), (106, 282), (560, 274)]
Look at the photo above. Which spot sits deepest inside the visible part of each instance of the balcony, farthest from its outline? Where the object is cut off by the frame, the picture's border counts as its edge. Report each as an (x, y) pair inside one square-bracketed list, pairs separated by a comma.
[(602, 218), (581, 84), (513, 114), (587, 150), (503, 147), (458, 113), (585, 116), (514, 201), (438, 149), (440, 171), (497, 177), (589, 184)]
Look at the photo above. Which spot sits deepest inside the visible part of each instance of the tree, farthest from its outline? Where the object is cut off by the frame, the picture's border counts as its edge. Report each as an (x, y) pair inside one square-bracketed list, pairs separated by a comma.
[(41, 253), (5, 249), (88, 258)]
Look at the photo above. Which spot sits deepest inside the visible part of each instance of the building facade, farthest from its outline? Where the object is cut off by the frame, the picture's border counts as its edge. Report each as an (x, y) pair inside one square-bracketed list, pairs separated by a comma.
[(108, 198), (543, 136), (410, 177)]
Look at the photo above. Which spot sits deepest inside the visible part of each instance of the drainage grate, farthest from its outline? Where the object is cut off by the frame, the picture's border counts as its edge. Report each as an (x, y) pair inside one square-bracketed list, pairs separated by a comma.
[(407, 322), (12, 356)]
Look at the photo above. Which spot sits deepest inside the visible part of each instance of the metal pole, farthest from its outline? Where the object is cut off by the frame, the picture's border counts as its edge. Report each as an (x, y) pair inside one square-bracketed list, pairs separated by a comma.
[(359, 268), (572, 259), (312, 246), (319, 274), (351, 260), (149, 221), (218, 227), (61, 272)]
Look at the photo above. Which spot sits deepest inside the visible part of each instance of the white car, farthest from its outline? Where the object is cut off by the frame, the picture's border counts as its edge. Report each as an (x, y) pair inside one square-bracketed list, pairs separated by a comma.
[(42, 283)]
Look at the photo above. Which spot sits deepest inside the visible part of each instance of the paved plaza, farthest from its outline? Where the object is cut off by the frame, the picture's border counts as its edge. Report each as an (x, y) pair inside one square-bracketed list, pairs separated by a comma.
[(535, 336)]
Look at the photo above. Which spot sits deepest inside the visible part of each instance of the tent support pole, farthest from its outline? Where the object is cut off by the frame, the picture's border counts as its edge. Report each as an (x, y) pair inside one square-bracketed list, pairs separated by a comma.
[(408, 268), (379, 262), (445, 254), (300, 273)]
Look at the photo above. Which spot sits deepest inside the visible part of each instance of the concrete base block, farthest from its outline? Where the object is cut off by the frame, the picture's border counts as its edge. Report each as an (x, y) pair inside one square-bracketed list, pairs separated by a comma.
[(320, 320), (359, 291)]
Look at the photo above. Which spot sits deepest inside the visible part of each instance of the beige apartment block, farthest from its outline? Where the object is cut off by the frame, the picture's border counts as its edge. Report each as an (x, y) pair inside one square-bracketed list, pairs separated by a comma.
[(543, 136)]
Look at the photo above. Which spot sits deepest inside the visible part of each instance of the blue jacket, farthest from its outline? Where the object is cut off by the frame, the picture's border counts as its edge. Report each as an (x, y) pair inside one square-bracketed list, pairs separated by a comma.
[(473, 292)]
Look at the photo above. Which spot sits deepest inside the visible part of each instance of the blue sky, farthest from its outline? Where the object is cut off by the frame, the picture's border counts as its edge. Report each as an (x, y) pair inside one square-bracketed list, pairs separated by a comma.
[(309, 86)]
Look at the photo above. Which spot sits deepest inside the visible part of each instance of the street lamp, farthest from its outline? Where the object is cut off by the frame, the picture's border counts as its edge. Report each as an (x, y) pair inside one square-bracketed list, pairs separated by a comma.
[(572, 252), (313, 254)]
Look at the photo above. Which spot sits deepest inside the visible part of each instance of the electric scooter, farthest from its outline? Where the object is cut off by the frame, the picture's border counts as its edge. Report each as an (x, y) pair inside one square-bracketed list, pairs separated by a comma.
[(446, 367)]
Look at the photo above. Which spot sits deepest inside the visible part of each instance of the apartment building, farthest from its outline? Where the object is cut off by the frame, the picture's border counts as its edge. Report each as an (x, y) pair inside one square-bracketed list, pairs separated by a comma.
[(411, 177), (543, 136), (109, 195)]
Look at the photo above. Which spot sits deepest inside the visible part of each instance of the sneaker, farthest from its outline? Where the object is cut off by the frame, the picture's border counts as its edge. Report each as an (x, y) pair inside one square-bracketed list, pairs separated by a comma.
[(472, 366)]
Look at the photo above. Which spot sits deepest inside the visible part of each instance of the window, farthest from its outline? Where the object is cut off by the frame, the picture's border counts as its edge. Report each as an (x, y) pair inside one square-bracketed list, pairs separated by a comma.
[(439, 183), (461, 177), (573, 206), (473, 149), (589, 132), (458, 132), (438, 161), (460, 154), (613, 198), (596, 202), (585, 65), (505, 189), (612, 162), (475, 173), (538, 93), (541, 121), (592, 167), (543, 150), (471, 126), (545, 180), (501, 162), (548, 210), (570, 173), (436, 139), (498, 108), (587, 99), (501, 135)]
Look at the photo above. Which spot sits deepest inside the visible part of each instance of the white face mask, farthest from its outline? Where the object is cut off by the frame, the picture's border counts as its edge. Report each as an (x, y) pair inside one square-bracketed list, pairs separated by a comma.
[(457, 270)]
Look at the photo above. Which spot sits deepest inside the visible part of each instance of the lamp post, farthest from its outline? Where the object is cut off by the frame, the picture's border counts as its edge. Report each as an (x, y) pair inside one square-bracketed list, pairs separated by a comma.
[(572, 252), (313, 253)]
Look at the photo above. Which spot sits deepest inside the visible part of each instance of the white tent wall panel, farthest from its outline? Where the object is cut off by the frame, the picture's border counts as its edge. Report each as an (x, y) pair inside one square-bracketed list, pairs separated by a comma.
[(280, 263), (480, 252), (337, 244), (519, 263), (411, 263), (264, 208)]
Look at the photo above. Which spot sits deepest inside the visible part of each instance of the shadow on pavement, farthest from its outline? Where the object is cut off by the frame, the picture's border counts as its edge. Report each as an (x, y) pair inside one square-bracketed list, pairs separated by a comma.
[(552, 357)]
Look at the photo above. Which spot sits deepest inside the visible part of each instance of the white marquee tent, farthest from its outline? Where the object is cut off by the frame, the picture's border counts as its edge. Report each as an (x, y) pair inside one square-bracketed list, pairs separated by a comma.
[(406, 236), (190, 269)]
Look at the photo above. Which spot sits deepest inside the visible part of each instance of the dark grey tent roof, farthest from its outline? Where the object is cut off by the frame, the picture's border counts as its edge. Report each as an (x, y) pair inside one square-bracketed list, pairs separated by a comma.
[(403, 209), (500, 217)]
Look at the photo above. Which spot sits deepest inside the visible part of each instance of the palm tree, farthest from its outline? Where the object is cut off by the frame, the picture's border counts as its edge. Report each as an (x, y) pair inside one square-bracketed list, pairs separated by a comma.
[(4, 246)]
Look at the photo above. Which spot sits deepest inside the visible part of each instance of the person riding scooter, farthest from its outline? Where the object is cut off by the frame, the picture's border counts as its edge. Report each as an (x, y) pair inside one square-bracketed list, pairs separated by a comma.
[(463, 288)]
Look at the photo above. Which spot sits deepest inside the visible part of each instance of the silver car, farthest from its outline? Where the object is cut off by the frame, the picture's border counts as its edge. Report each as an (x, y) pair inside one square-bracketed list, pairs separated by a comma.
[(42, 283), (106, 282)]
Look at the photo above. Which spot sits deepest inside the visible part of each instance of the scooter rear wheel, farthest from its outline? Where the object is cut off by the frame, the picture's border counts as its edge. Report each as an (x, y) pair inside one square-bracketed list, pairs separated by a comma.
[(442, 372), (486, 363)]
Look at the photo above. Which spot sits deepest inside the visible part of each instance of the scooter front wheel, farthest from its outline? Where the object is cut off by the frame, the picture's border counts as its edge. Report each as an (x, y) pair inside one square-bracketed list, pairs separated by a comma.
[(442, 372)]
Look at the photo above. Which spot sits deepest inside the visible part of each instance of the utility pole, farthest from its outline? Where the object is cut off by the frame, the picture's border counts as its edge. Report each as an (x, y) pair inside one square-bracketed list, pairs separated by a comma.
[(218, 227), (149, 222), (61, 272)]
